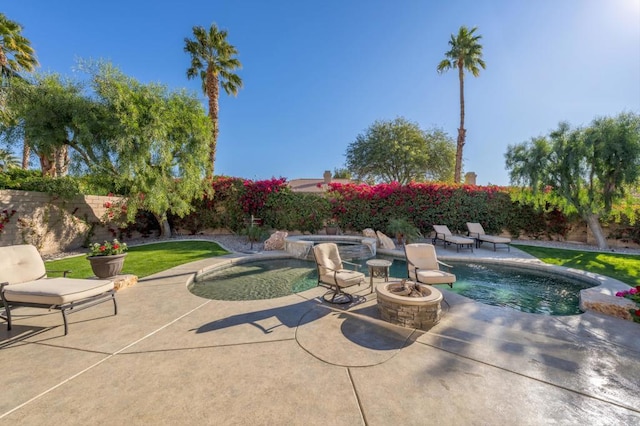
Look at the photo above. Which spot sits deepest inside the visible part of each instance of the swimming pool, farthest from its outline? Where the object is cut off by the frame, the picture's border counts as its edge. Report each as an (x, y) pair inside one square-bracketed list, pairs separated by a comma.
[(523, 289)]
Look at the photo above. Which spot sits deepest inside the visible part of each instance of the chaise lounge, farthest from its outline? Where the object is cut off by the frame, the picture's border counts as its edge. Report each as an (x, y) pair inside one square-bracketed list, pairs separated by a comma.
[(443, 234), (24, 282), (476, 231)]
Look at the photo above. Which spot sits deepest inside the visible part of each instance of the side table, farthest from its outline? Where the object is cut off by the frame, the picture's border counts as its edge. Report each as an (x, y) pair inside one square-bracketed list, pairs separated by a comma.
[(378, 268)]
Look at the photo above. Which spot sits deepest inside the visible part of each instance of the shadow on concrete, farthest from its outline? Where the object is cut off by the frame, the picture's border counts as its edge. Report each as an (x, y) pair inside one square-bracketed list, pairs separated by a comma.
[(289, 316)]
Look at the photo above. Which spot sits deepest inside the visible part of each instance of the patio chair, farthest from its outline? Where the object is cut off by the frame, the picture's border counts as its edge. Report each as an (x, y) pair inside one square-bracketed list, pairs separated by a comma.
[(24, 282), (423, 265), (443, 234), (332, 275), (477, 231)]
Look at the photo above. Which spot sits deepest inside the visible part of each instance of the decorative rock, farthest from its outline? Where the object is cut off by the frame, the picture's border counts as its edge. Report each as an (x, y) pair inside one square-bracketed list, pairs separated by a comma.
[(124, 281), (276, 241), (385, 242), (609, 305), (370, 233)]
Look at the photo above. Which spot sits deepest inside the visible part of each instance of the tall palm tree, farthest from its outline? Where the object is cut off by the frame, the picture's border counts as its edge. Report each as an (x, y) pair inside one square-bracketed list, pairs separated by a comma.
[(16, 55), (213, 60), (465, 53)]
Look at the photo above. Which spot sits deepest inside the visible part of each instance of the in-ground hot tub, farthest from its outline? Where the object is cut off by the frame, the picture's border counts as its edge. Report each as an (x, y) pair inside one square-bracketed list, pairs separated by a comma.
[(349, 246), (409, 304)]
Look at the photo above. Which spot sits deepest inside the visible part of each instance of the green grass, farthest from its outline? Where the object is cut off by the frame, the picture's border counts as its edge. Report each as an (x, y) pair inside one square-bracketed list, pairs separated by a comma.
[(144, 260), (623, 267)]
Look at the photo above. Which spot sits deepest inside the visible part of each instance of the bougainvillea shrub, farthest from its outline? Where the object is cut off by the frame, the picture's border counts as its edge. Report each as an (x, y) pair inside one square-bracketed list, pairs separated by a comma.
[(359, 206)]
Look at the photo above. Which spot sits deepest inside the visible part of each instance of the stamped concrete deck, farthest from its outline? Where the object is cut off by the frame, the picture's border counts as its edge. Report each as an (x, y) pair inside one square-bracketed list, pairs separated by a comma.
[(170, 357)]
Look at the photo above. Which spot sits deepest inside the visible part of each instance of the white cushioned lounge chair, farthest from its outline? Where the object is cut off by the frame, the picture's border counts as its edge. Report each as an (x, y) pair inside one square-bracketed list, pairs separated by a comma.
[(443, 234), (24, 282), (423, 265), (333, 275), (477, 231)]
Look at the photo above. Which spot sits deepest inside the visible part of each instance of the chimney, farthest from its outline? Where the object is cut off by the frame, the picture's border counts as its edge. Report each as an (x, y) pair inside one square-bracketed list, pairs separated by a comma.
[(327, 177), (470, 178)]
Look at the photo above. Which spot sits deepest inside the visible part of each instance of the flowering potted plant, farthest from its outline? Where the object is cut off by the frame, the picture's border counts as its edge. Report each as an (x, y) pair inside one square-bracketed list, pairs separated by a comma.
[(332, 227), (107, 259)]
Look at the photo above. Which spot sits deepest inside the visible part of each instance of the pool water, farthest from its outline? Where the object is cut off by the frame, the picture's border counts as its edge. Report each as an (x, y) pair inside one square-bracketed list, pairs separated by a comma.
[(525, 290)]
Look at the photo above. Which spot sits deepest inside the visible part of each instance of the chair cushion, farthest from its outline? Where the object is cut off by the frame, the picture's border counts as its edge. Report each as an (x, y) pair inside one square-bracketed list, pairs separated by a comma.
[(20, 263), (344, 278), (458, 240), (494, 239), (421, 255), (435, 277), (56, 291)]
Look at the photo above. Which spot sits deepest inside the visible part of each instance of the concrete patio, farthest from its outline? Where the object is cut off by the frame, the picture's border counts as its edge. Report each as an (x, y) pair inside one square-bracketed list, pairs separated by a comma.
[(170, 357)]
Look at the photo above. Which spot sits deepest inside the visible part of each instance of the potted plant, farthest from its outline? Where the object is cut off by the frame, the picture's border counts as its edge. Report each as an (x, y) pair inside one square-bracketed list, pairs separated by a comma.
[(107, 258), (331, 227), (404, 230)]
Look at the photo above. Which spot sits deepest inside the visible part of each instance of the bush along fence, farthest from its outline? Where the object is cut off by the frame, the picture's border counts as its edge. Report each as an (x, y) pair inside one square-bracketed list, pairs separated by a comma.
[(358, 206), (54, 224)]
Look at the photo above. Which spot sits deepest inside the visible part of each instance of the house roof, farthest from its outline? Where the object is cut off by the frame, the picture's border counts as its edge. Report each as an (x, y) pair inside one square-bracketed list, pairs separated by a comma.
[(313, 186)]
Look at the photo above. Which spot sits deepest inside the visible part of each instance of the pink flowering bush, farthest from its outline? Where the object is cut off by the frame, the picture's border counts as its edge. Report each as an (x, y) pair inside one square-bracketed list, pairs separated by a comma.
[(632, 294)]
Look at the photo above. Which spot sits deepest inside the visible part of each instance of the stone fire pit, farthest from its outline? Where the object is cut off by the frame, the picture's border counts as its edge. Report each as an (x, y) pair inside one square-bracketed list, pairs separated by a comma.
[(409, 304)]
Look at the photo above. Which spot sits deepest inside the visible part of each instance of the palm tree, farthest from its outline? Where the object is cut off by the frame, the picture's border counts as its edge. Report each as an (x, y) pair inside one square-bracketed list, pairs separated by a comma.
[(7, 161), (16, 55), (213, 59), (465, 53)]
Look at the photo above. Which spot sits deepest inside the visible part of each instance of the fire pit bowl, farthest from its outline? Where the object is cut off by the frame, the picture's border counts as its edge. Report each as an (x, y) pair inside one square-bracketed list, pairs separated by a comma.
[(409, 304)]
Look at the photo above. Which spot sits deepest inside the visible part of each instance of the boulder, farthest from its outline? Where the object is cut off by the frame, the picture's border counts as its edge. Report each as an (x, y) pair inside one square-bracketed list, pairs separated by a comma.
[(385, 242), (276, 241), (369, 233)]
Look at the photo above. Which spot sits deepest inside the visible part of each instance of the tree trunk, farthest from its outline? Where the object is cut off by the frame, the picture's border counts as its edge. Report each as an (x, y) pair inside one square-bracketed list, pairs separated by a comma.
[(62, 160), (47, 166), (26, 153), (165, 228), (457, 176), (596, 229), (213, 90)]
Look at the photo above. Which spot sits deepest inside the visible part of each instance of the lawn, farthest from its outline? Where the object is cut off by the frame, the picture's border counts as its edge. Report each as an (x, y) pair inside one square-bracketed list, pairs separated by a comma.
[(623, 267), (146, 259)]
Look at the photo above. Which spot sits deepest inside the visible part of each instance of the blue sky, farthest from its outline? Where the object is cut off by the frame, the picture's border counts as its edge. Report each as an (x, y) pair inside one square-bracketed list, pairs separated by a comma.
[(317, 73)]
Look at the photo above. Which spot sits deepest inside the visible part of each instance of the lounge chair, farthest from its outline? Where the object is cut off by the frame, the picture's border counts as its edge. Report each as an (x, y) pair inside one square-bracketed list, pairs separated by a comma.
[(332, 275), (477, 231), (423, 265), (443, 234), (24, 282)]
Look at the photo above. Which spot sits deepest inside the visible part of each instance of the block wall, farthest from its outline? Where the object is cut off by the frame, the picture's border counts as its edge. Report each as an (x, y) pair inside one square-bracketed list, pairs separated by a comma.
[(53, 224)]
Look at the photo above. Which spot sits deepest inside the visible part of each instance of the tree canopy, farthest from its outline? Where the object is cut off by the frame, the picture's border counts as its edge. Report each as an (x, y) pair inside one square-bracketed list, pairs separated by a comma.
[(583, 170), (400, 151), (16, 53), (149, 144)]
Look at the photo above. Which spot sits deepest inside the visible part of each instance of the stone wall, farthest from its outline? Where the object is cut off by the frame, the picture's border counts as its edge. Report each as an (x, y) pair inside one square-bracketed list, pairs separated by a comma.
[(53, 224)]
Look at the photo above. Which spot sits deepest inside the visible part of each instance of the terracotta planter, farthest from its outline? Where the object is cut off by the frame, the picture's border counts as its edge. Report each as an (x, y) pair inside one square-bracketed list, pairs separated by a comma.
[(332, 230), (107, 266)]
